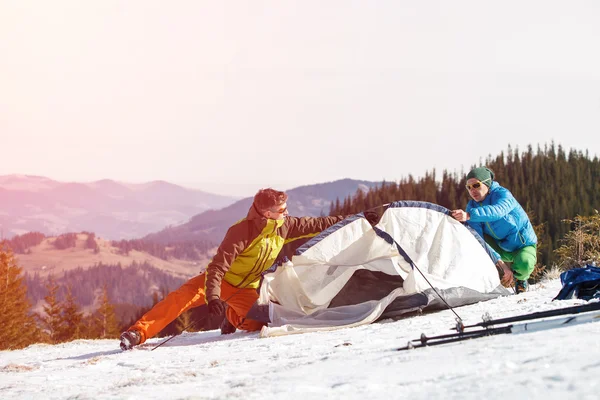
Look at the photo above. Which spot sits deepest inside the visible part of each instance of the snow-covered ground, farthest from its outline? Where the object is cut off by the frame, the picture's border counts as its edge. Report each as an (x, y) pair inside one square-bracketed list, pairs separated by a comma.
[(358, 363)]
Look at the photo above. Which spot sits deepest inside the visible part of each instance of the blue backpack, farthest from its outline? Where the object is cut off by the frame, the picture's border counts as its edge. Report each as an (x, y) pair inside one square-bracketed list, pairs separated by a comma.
[(581, 283)]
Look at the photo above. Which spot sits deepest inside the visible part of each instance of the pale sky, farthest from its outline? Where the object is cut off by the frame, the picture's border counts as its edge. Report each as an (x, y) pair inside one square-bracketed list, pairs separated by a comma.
[(233, 96)]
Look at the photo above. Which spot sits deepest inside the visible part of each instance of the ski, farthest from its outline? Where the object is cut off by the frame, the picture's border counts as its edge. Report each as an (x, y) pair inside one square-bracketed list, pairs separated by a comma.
[(537, 315), (425, 341)]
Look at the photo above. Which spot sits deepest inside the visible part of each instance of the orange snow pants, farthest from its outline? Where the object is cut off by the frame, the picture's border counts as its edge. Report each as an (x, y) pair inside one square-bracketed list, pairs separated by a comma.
[(190, 295)]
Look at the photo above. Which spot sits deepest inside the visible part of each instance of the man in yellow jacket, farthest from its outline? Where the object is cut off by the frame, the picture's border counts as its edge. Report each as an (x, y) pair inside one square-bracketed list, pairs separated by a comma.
[(249, 248)]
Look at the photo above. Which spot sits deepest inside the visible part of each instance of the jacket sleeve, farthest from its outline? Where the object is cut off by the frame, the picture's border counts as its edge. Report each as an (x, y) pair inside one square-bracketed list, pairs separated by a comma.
[(308, 226), (500, 205), (231, 246)]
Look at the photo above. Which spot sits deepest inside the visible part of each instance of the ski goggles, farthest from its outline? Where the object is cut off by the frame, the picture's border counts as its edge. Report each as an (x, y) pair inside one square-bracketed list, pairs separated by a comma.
[(476, 185), (280, 211)]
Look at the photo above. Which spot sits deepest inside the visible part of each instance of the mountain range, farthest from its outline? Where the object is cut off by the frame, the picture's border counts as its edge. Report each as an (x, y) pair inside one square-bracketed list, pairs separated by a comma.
[(310, 200), (111, 209), (114, 210), (158, 211)]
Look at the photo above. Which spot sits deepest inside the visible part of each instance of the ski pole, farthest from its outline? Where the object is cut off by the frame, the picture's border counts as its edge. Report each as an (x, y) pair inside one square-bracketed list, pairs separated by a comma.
[(183, 330), (533, 326), (457, 337), (540, 314)]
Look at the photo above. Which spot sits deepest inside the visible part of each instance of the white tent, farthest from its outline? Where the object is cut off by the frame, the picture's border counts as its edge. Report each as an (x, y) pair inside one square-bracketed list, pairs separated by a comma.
[(354, 273)]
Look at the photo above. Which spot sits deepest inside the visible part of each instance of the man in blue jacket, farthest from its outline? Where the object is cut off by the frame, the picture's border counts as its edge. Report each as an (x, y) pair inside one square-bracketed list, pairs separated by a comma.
[(497, 216)]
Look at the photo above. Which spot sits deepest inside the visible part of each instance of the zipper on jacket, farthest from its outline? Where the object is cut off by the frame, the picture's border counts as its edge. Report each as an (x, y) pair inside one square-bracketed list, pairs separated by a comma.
[(521, 238), (492, 231), (262, 268), (264, 260), (257, 262), (260, 263)]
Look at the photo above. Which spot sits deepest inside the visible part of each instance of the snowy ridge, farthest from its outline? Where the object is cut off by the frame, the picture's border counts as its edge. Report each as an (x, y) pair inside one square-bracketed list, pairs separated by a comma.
[(357, 363)]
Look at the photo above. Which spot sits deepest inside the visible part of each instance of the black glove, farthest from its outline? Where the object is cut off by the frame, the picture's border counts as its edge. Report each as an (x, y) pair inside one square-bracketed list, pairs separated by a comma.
[(216, 307)]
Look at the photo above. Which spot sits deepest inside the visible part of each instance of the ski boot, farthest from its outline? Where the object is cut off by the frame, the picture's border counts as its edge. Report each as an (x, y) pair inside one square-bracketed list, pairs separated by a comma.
[(130, 339), (521, 286)]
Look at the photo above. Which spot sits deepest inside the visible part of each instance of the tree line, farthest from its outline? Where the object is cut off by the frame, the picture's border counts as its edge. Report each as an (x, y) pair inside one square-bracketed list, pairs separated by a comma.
[(21, 244), (114, 297), (129, 284), (553, 186), (64, 321), (191, 251), (60, 321)]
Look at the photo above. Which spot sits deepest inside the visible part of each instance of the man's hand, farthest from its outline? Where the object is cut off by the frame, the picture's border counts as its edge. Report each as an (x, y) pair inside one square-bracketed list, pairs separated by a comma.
[(460, 215), (506, 274), (372, 216), (216, 307)]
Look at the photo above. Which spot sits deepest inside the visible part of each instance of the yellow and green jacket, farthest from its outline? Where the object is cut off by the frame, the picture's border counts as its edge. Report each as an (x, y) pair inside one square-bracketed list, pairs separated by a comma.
[(251, 246)]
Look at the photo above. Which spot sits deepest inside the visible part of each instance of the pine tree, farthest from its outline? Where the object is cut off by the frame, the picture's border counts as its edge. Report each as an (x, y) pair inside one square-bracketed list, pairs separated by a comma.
[(52, 318), (581, 245), (106, 320), (17, 326), (72, 318)]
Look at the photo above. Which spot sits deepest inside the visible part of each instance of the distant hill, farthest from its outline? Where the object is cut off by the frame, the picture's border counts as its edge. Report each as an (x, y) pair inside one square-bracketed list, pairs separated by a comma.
[(134, 285), (111, 209), (133, 271), (45, 258), (310, 200)]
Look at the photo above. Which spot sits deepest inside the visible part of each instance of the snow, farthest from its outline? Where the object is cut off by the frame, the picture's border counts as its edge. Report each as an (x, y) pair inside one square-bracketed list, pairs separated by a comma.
[(356, 363)]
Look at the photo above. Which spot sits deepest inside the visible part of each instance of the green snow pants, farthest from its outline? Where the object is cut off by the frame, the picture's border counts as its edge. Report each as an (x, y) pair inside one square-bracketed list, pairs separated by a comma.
[(523, 260)]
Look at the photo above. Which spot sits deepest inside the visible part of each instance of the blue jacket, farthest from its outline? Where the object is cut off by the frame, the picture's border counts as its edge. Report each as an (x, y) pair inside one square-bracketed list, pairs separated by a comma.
[(500, 216)]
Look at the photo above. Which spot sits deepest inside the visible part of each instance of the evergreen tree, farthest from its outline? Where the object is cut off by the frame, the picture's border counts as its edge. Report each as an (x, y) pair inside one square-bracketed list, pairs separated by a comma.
[(106, 323), (52, 318), (17, 326), (90, 242), (72, 318), (581, 245)]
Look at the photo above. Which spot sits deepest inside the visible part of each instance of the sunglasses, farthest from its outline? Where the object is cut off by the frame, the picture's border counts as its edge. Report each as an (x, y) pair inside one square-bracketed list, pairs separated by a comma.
[(475, 185), (280, 211)]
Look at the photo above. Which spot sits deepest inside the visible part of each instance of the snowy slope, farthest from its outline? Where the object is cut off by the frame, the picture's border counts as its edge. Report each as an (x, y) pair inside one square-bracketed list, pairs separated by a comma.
[(359, 363)]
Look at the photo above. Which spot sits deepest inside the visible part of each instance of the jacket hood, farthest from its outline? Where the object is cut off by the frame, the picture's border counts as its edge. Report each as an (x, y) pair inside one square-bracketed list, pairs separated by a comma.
[(259, 219), (253, 213), (495, 185)]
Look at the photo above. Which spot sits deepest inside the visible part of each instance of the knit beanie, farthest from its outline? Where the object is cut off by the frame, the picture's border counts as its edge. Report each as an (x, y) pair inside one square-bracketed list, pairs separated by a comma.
[(483, 174)]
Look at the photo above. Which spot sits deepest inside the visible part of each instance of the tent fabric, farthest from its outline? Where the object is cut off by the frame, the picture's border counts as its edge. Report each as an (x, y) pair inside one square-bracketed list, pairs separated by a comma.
[(355, 273), (580, 283)]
